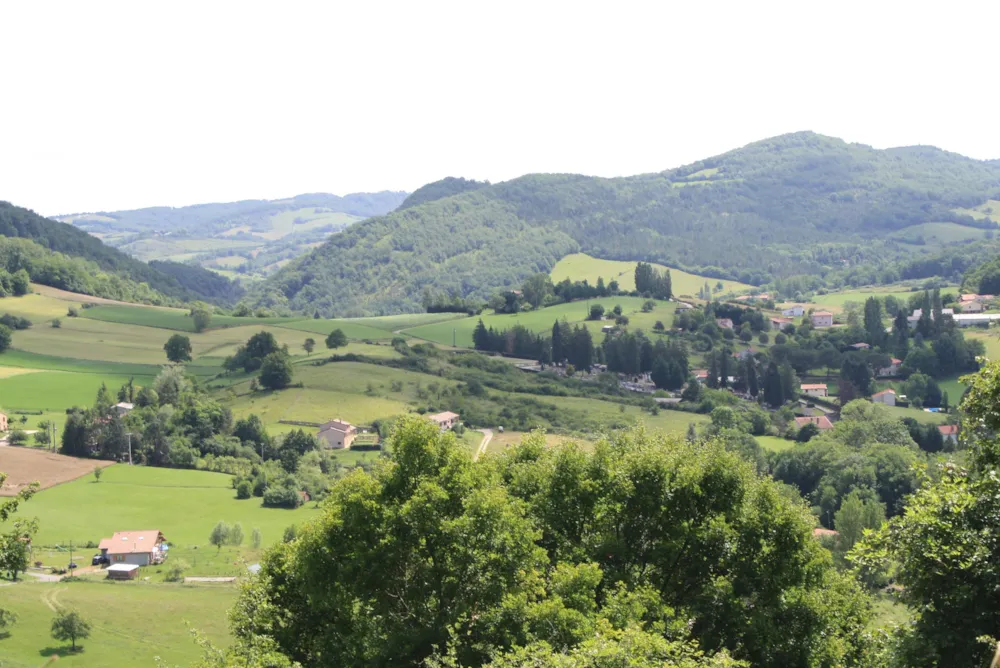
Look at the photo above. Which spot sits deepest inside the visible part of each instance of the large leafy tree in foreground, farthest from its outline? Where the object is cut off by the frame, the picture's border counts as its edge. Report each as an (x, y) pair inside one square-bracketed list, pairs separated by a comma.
[(947, 547), (649, 551)]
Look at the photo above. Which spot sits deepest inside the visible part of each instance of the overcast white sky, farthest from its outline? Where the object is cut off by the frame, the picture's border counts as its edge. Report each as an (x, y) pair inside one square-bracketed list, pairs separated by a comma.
[(108, 106)]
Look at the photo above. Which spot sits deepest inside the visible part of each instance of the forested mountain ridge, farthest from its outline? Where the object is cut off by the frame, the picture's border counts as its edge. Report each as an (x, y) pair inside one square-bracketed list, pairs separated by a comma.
[(172, 280), (795, 204)]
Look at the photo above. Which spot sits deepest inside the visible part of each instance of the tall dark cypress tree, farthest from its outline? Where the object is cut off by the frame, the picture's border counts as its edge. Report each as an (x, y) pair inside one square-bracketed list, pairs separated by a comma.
[(713, 372), (724, 356), (753, 383), (873, 322), (900, 335), (773, 392), (481, 337), (558, 354)]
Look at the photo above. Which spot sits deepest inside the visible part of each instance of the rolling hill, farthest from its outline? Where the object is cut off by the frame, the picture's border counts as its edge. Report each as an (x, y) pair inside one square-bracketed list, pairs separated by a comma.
[(98, 269), (797, 204), (251, 238)]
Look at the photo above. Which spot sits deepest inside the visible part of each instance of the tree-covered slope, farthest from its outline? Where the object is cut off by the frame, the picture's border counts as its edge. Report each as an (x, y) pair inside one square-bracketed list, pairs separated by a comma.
[(446, 187), (179, 282), (795, 204)]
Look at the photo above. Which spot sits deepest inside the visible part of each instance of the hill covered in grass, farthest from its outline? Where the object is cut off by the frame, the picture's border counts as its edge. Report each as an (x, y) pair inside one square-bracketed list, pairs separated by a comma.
[(62, 256), (798, 204)]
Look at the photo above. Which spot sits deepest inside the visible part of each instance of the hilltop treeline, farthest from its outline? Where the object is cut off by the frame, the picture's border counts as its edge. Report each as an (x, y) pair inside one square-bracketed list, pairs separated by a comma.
[(795, 205), (124, 274)]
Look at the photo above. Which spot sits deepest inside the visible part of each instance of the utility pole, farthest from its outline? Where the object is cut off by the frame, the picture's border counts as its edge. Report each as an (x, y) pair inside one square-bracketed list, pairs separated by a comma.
[(454, 337), (129, 435)]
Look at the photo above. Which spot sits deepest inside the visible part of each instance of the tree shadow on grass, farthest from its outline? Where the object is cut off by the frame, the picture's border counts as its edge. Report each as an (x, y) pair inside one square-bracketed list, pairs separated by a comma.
[(64, 650)]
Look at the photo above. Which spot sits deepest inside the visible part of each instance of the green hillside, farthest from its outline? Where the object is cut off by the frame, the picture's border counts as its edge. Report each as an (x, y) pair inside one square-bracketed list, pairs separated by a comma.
[(798, 204), (65, 257)]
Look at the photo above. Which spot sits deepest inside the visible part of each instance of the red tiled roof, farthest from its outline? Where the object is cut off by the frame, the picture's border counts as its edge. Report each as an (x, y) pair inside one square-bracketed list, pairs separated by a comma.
[(884, 392), (813, 386), (822, 313), (821, 421), (948, 429), (820, 531), (128, 542)]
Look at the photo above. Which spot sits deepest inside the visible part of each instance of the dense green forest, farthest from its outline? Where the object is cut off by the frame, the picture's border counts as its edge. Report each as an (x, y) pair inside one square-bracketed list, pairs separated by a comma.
[(795, 205), (446, 187), (100, 265)]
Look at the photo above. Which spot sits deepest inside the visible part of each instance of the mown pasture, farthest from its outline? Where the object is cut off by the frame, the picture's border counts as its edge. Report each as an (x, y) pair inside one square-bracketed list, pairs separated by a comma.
[(580, 266), (132, 623), (541, 320)]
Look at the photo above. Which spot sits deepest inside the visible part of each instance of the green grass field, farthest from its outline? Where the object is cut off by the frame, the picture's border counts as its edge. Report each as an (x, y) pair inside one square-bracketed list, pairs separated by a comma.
[(183, 504), (319, 329), (131, 622), (332, 391), (58, 390), (543, 319), (774, 443), (166, 318), (990, 209), (580, 266), (835, 301), (938, 233)]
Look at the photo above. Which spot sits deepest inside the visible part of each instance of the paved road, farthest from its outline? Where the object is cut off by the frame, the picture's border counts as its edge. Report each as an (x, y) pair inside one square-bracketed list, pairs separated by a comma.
[(487, 437)]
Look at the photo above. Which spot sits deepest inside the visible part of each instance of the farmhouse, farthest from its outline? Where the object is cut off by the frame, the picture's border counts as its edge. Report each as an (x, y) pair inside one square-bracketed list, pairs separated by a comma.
[(822, 319), (820, 532), (796, 311), (743, 355), (949, 432), (822, 422), (683, 306), (700, 375), (122, 408), (892, 369), (445, 420), (914, 318), (140, 548), (779, 323), (337, 434), (814, 390), (969, 301), (860, 346), (887, 397), (3, 422), (724, 323)]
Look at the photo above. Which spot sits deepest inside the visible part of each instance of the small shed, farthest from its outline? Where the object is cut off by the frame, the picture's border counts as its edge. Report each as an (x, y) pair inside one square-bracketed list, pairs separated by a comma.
[(123, 571)]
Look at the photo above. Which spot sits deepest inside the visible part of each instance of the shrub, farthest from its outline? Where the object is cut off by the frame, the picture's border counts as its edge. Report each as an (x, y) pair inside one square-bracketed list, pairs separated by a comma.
[(244, 490), (57, 323)]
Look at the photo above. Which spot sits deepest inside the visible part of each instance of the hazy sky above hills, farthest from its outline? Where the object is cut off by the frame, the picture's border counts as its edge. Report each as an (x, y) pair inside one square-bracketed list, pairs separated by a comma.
[(123, 105)]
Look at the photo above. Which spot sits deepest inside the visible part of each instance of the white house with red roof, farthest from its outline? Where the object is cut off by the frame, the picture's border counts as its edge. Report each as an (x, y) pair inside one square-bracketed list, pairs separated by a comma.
[(141, 548), (949, 432), (821, 319), (814, 389), (892, 369), (887, 397), (822, 422)]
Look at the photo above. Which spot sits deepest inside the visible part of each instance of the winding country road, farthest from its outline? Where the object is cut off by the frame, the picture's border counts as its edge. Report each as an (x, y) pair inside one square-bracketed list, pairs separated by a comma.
[(487, 437)]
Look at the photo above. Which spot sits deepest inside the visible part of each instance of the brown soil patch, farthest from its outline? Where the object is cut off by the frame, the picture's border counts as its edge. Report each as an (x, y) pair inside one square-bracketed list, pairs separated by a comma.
[(26, 465)]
